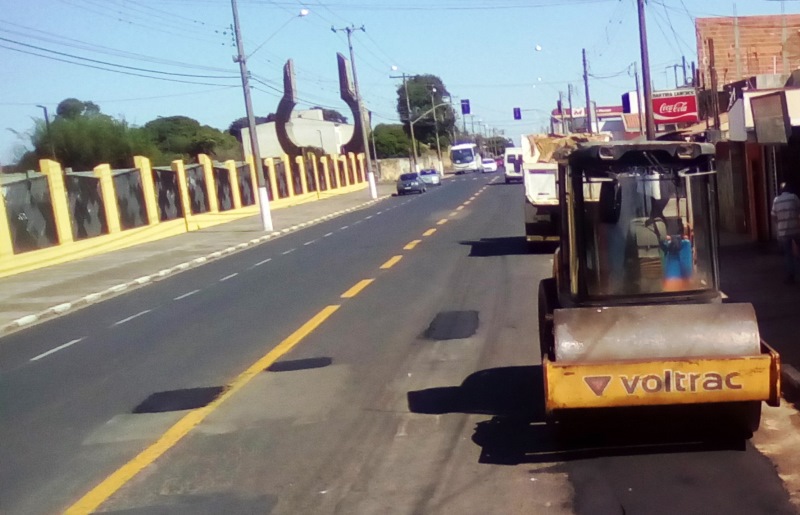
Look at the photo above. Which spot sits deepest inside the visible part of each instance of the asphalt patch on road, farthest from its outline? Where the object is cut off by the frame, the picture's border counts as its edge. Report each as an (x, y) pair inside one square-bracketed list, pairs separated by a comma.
[(452, 325), (299, 364), (178, 400)]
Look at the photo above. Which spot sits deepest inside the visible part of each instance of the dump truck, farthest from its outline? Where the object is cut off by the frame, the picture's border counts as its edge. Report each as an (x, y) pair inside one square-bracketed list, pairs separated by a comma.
[(633, 314), (539, 170)]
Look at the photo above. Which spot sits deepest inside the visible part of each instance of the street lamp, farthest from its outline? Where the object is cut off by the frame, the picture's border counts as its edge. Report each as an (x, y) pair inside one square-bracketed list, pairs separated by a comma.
[(436, 126), (47, 131), (410, 123)]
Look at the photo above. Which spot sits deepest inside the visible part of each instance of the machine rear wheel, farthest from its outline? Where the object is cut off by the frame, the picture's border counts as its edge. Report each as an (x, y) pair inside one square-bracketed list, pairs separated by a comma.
[(548, 301)]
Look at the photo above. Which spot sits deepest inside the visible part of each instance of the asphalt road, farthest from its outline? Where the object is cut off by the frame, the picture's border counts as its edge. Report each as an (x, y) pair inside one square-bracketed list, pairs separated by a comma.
[(416, 393)]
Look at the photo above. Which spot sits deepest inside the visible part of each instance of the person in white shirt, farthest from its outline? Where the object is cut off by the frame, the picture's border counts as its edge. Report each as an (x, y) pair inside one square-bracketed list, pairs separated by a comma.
[(786, 214)]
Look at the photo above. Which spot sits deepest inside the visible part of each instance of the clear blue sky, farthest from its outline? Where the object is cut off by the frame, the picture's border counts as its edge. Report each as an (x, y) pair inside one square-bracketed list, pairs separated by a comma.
[(484, 50)]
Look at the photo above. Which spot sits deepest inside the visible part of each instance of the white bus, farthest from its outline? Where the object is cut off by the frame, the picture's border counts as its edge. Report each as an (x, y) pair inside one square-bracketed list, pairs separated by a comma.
[(466, 158)]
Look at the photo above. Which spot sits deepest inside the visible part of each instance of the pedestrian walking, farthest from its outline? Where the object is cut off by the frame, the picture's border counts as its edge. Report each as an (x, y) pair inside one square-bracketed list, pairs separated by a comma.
[(786, 213)]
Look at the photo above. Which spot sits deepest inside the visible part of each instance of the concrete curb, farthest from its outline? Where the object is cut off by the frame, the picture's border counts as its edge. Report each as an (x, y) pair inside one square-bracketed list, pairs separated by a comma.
[(93, 298)]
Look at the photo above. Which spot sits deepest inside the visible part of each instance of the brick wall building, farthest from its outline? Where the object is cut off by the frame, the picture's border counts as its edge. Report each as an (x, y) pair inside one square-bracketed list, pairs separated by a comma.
[(760, 48)]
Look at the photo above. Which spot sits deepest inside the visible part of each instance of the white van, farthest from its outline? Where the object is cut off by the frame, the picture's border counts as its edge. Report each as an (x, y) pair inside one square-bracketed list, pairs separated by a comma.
[(466, 158), (512, 163)]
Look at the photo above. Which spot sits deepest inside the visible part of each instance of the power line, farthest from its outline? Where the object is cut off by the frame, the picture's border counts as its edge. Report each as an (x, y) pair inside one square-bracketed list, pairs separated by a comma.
[(109, 70)]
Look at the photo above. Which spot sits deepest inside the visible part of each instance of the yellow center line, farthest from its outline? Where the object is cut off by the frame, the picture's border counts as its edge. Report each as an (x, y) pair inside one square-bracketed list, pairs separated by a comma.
[(442, 221), (392, 261), (110, 485), (454, 213), (459, 208), (429, 232), (466, 203), (412, 244), (355, 290)]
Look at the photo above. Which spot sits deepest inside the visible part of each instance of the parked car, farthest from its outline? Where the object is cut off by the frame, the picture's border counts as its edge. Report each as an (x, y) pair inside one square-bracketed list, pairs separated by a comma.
[(410, 183), (431, 177), (489, 165)]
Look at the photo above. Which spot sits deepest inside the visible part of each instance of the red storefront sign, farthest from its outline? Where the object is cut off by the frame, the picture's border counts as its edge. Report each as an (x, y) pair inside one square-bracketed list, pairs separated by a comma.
[(678, 106)]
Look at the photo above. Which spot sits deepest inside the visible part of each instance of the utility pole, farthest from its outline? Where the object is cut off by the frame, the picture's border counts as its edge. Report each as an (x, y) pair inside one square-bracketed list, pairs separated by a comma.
[(263, 196), (563, 128), (736, 44), (436, 126), (571, 112), (410, 125), (683, 64), (639, 106), (650, 126), (374, 149), (373, 191), (715, 99), (588, 100)]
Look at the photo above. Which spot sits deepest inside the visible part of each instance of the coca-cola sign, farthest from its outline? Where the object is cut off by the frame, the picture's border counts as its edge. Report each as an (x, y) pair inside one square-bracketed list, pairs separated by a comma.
[(677, 106)]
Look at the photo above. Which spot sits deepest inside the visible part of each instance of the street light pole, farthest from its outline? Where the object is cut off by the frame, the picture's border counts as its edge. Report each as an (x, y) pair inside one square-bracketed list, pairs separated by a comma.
[(263, 196), (436, 126), (47, 130), (650, 126), (373, 191), (408, 110)]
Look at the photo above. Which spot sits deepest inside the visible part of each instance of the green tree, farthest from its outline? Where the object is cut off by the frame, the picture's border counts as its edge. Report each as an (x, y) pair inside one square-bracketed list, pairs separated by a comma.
[(422, 97), (181, 137), (236, 126), (332, 115), (72, 108), (391, 141)]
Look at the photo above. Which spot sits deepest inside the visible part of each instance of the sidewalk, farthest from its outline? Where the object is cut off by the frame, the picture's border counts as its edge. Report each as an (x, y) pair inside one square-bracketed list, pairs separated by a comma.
[(33, 296)]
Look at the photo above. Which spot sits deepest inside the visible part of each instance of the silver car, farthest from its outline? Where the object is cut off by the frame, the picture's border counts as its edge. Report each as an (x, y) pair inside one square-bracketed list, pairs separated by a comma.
[(431, 177), (410, 183)]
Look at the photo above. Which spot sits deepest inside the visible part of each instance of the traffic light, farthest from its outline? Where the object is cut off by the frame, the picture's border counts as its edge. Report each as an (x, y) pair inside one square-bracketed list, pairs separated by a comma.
[(465, 106), (517, 113)]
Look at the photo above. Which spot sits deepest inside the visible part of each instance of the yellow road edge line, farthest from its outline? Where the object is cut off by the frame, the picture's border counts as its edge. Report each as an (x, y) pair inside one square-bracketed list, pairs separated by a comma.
[(442, 221), (392, 261), (111, 484), (355, 290), (429, 232), (413, 243), (459, 208)]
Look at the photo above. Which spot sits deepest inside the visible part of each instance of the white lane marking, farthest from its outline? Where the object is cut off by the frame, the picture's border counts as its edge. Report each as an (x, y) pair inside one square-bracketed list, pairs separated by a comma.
[(231, 276), (60, 347), (124, 320), (329, 234), (368, 217), (262, 262), (379, 212), (344, 227), (189, 294), (288, 252), (357, 222), (309, 243)]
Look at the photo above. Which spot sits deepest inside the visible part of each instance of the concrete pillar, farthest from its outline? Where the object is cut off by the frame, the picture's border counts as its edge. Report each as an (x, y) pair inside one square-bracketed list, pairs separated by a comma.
[(148, 188), (346, 170), (233, 176), (252, 165), (290, 188), (315, 164), (6, 244), (183, 187), (269, 169), (332, 183), (211, 184), (58, 197), (110, 206), (361, 172), (301, 165), (351, 161)]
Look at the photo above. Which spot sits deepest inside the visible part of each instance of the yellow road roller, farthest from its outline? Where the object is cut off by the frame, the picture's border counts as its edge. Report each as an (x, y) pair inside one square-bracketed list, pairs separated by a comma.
[(633, 315)]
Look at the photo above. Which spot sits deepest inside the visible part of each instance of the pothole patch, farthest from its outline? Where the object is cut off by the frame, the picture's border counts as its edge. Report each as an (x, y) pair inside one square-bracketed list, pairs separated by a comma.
[(453, 325), (178, 400), (299, 364)]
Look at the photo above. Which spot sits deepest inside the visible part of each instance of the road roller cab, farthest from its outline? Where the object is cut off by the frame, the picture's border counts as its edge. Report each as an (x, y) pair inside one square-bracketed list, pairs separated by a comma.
[(633, 314)]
